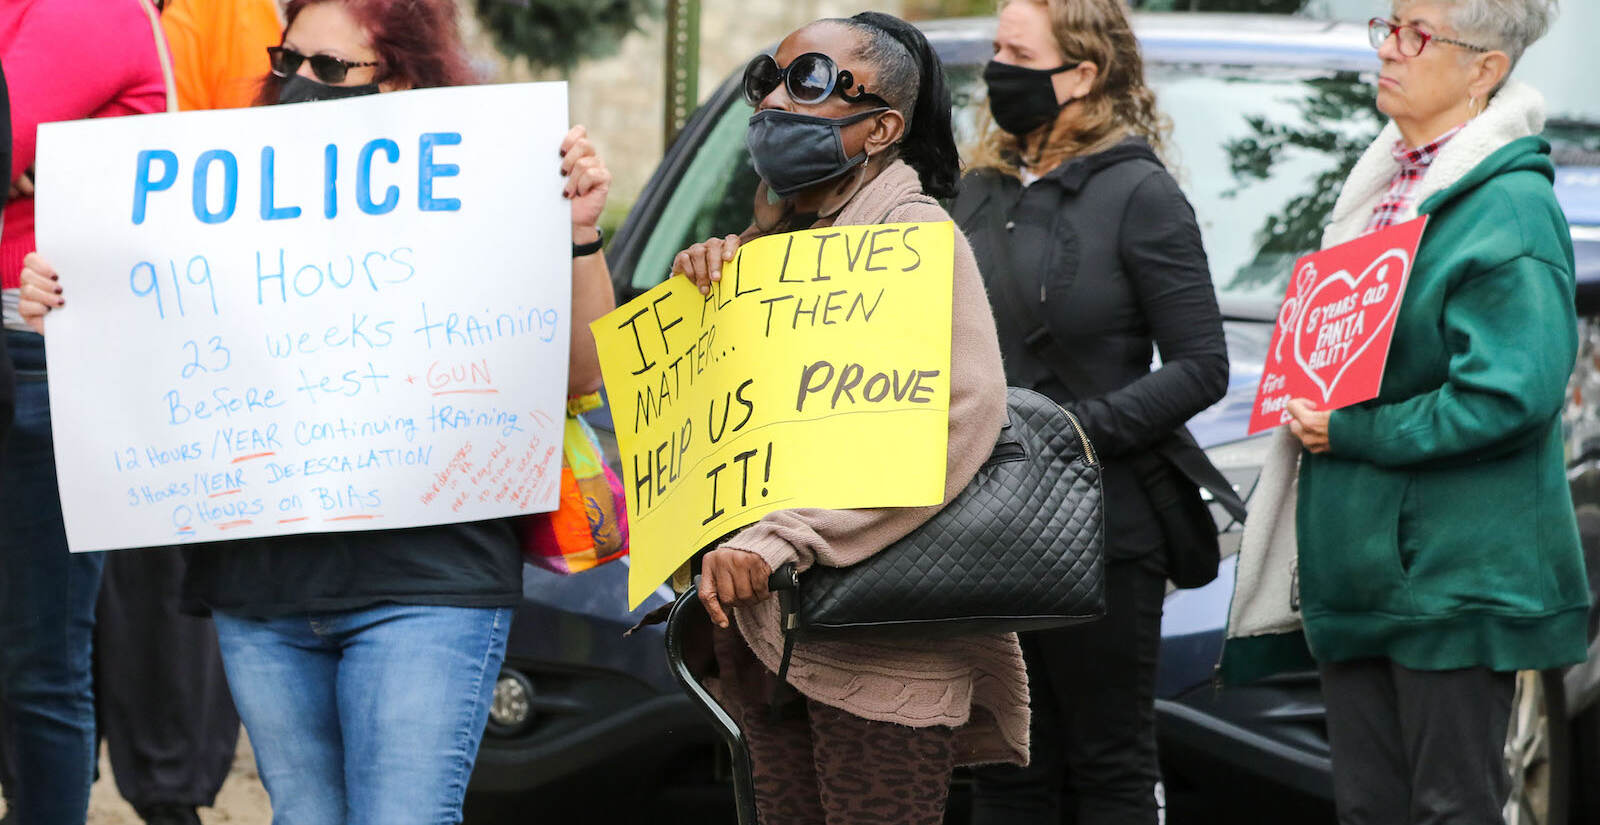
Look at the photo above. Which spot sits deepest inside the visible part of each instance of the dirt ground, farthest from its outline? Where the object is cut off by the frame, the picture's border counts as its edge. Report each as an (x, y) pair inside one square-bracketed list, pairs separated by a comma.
[(242, 800)]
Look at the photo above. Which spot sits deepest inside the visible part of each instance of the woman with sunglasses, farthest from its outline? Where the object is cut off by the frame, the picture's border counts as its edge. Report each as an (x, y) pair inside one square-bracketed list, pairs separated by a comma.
[(1094, 263), (363, 664), (1437, 548), (852, 126)]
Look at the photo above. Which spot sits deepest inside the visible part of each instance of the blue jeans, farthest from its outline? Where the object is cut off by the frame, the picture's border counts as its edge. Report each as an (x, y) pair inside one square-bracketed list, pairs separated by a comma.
[(47, 599), (366, 716)]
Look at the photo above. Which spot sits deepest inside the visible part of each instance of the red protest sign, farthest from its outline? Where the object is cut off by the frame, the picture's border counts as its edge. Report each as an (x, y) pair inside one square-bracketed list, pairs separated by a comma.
[(1336, 322)]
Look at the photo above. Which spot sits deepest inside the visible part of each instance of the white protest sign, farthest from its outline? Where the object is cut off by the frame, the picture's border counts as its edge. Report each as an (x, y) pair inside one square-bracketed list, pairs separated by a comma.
[(348, 315)]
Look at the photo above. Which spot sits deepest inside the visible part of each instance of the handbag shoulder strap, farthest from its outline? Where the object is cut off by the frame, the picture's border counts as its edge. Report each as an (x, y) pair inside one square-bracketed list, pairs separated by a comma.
[(785, 581), (164, 56)]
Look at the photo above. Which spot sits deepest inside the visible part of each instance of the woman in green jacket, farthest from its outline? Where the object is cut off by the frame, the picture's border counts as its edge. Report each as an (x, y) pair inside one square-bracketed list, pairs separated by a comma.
[(1437, 549)]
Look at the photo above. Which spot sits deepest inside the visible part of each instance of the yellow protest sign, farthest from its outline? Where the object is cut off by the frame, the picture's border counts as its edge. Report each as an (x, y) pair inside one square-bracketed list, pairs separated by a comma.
[(815, 374)]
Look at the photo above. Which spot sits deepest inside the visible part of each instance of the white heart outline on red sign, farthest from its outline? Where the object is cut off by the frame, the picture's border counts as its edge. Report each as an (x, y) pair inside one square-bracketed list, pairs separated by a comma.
[(1344, 275)]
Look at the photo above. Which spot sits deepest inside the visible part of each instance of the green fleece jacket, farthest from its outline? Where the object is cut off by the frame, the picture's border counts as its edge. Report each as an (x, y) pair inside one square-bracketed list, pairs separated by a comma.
[(1438, 531)]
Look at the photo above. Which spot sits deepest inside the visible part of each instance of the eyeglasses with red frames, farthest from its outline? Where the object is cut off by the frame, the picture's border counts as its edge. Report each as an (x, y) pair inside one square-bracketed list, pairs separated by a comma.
[(1410, 39)]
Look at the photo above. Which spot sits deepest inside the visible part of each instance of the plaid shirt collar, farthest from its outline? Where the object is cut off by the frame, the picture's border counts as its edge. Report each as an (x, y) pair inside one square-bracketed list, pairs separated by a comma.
[(1422, 157), (1403, 187)]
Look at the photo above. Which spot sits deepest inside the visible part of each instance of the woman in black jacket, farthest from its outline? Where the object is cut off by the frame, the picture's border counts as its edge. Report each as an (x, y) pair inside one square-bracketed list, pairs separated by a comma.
[(1093, 262)]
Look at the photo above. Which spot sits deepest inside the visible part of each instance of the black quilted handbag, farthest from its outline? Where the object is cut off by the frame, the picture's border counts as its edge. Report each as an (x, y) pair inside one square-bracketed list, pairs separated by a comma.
[(1020, 548)]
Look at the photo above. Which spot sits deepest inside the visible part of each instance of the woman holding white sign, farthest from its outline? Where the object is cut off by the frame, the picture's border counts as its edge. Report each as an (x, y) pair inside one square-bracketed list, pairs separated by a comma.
[(852, 127), (1432, 526), (363, 663)]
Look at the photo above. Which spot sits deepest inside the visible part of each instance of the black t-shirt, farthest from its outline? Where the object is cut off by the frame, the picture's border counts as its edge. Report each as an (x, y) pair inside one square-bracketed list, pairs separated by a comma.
[(478, 564)]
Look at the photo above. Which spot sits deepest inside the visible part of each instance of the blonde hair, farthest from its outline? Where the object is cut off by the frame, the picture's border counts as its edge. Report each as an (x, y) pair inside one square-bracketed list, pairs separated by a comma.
[(1118, 104)]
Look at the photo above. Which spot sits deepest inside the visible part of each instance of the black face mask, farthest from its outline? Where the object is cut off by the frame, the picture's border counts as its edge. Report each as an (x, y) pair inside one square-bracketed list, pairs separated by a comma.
[(1021, 99), (302, 89), (793, 151)]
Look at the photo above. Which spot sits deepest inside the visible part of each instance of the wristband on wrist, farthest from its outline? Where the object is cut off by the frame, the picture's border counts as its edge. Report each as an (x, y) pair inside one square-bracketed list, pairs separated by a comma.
[(581, 249)]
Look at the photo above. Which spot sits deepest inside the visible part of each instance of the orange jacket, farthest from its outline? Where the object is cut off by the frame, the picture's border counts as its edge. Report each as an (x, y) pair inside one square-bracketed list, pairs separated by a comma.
[(219, 49)]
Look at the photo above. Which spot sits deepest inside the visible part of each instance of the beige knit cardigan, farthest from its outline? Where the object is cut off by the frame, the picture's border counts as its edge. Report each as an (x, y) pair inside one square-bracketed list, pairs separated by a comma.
[(975, 684)]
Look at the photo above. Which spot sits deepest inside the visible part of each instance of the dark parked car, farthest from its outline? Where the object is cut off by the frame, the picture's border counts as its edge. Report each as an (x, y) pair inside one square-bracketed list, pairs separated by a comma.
[(1269, 114)]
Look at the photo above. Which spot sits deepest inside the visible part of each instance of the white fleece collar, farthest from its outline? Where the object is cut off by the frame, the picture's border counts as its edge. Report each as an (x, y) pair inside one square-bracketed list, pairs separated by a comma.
[(1517, 111)]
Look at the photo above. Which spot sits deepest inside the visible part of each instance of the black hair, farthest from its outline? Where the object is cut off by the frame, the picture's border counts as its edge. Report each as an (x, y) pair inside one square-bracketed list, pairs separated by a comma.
[(911, 78)]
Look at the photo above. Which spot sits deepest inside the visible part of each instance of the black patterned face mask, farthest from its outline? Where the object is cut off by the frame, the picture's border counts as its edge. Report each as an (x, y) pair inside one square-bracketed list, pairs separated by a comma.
[(1023, 99), (793, 151), (302, 89)]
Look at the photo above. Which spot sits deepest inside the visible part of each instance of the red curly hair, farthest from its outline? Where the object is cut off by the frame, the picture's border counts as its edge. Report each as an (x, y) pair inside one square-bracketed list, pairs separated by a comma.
[(418, 43)]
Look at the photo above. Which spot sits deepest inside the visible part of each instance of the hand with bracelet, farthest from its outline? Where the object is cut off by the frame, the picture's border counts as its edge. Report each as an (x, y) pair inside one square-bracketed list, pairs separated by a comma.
[(588, 182)]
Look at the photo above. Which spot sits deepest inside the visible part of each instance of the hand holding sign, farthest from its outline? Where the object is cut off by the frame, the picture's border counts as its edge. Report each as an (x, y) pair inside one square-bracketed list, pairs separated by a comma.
[(1333, 331), (1309, 424), (39, 291), (588, 180), (702, 263)]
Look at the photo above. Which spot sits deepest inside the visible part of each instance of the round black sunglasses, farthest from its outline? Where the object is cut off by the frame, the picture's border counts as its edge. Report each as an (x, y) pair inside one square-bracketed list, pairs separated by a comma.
[(808, 79), (328, 69)]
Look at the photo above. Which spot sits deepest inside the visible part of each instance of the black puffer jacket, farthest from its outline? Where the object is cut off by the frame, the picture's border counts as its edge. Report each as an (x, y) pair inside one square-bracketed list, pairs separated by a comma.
[(1105, 252)]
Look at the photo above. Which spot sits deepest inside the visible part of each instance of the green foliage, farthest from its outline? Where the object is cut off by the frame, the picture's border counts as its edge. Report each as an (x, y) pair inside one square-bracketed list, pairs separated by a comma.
[(559, 33), (932, 9)]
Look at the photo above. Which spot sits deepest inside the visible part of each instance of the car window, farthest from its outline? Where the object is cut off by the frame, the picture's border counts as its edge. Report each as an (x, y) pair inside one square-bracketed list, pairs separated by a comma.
[(713, 198), (969, 112), (1260, 153), (1262, 156)]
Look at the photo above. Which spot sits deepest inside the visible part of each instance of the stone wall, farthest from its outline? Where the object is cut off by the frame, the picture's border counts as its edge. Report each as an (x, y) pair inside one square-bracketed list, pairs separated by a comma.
[(621, 98)]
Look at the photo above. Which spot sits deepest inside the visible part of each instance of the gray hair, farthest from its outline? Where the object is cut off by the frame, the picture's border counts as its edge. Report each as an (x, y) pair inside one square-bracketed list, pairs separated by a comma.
[(1510, 26), (899, 77)]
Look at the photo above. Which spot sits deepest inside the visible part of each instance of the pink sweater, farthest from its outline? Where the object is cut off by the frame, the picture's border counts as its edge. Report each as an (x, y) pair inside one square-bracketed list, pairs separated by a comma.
[(975, 684), (69, 60)]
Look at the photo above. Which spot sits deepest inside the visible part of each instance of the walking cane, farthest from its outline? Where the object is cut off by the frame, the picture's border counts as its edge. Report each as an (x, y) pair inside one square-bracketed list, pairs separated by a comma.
[(688, 606)]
